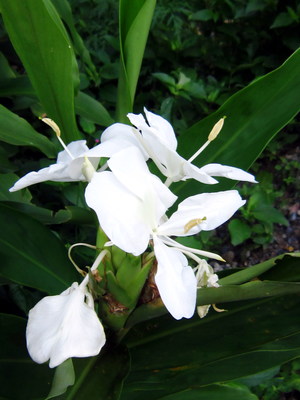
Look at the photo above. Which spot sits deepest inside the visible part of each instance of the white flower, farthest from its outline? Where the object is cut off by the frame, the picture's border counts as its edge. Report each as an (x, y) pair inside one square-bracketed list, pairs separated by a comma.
[(64, 326), (156, 139), (205, 278), (71, 165), (131, 210)]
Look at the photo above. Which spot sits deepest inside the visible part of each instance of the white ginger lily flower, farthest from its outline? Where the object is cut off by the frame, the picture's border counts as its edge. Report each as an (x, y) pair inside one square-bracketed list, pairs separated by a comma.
[(156, 139), (64, 326), (131, 211), (72, 164)]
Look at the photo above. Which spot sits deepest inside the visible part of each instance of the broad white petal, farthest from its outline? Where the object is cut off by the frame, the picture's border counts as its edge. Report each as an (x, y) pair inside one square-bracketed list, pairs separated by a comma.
[(131, 170), (64, 326), (77, 149), (162, 128), (212, 208), (120, 212), (175, 280), (115, 138), (228, 172)]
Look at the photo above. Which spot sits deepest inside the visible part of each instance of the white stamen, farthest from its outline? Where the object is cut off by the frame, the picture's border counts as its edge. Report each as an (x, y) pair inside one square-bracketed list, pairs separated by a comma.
[(213, 134), (56, 129)]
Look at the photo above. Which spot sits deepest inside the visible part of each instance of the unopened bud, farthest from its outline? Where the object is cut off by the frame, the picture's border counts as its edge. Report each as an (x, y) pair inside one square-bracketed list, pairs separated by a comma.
[(52, 125), (216, 129), (87, 169)]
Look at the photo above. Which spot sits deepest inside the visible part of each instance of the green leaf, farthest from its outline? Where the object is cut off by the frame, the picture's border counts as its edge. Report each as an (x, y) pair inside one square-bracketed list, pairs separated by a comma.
[(63, 378), (89, 108), (64, 9), (239, 231), (267, 213), (288, 261), (254, 115), (168, 356), (282, 19), (224, 391), (17, 131), (6, 182), (21, 378), (231, 291), (42, 44), (135, 20), (32, 255), (204, 15), (100, 377)]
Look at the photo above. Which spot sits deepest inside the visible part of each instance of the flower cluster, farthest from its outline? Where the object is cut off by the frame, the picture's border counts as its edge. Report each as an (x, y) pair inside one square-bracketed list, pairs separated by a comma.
[(132, 204)]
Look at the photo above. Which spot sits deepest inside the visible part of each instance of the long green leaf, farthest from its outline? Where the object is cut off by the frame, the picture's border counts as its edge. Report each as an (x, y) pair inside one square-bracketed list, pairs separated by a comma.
[(256, 270), (170, 356), (42, 44), (64, 9), (100, 378), (282, 270), (254, 115), (86, 106), (21, 378), (18, 131), (135, 20), (31, 254)]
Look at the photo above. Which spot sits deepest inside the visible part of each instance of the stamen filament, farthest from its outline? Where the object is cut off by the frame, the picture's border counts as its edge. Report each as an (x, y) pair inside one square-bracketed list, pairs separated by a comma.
[(203, 253), (212, 135), (56, 129)]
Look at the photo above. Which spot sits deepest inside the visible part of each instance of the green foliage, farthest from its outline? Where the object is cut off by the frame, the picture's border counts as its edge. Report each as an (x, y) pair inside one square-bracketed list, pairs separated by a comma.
[(41, 42), (199, 55)]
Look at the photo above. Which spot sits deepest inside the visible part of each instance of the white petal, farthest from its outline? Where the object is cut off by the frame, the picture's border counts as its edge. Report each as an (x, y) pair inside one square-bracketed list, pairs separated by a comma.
[(77, 149), (212, 208), (67, 168), (115, 138), (175, 280), (55, 172), (120, 212), (191, 171), (64, 326), (228, 172), (163, 129), (131, 170)]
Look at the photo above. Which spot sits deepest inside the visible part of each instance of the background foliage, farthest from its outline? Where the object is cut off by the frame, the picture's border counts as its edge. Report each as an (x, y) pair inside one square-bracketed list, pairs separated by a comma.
[(198, 54)]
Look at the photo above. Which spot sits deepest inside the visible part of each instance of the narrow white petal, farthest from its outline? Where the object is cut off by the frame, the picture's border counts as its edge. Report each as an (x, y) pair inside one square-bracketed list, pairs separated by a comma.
[(55, 172), (175, 280), (228, 172), (199, 174), (204, 211), (66, 169), (63, 326), (120, 212)]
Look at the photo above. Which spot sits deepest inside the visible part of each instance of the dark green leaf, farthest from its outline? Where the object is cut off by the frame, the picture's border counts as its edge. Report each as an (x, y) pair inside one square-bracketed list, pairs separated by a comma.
[(254, 115), (170, 356), (21, 378), (17, 131), (42, 44), (32, 255), (92, 110), (100, 378)]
